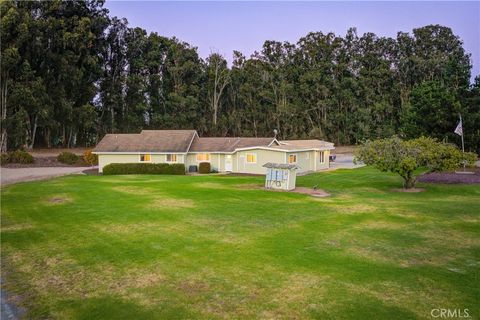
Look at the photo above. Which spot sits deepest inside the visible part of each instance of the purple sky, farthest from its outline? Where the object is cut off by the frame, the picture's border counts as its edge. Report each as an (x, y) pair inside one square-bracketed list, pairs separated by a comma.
[(244, 26)]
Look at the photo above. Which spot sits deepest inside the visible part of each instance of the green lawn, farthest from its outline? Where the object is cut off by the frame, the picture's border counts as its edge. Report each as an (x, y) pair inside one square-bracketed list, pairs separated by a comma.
[(138, 247)]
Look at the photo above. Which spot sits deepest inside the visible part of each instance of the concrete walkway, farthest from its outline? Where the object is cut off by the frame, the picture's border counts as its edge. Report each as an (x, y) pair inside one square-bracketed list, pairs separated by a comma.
[(14, 175)]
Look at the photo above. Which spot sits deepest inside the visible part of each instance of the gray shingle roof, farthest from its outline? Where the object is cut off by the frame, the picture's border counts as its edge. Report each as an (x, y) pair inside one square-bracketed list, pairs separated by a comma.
[(303, 144), (147, 141), (227, 144), (180, 141)]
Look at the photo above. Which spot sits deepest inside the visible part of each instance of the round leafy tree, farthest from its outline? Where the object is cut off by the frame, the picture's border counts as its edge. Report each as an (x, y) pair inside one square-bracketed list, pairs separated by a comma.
[(404, 157)]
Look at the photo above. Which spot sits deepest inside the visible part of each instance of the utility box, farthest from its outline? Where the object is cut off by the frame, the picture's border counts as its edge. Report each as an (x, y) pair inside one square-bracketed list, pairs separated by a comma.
[(280, 176)]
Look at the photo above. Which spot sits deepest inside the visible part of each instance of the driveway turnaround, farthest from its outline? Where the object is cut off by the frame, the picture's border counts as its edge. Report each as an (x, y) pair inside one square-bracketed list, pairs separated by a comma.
[(345, 161), (14, 175), (9, 311)]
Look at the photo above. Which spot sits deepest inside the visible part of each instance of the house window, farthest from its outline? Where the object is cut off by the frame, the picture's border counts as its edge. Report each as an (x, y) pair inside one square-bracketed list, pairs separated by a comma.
[(203, 157), (251, 158), (145, 158), (171, 158), (292, 158), (322, 157)]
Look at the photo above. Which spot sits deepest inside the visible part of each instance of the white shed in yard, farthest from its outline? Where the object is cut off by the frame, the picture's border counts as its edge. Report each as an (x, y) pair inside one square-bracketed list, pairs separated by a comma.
[(281, 176)]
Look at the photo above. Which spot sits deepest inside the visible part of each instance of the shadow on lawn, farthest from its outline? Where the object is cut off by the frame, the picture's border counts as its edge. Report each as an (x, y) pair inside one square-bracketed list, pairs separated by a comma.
[(360, 306), (108, 307)]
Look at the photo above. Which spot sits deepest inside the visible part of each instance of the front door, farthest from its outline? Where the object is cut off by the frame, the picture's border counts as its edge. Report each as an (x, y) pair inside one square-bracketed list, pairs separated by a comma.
[(228, 163)]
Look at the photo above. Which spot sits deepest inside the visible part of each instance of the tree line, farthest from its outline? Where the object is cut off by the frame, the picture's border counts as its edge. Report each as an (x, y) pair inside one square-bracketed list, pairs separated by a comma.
[(70, 73)]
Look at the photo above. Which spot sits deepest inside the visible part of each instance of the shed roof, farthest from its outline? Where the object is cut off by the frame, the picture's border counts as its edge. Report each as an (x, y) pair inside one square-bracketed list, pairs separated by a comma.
[(280, 165)]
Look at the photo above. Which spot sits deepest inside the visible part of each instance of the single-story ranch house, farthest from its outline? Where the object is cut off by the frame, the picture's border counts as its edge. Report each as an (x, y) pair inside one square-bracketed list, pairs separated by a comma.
[(242, 155)]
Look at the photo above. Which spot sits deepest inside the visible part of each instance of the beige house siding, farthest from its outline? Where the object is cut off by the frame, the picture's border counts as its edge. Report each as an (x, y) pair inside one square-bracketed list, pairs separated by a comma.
[(310, 160), (304, 160), (263, 156), (326, 163), (105, 159), (162, 158), (216, 161)]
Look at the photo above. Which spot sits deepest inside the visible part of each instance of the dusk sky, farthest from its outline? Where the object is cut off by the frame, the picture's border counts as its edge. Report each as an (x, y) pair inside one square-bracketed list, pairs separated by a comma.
[(244, 26)]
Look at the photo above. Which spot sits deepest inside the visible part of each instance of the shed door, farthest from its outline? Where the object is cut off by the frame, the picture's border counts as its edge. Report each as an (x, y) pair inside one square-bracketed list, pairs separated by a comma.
[(228, 162)]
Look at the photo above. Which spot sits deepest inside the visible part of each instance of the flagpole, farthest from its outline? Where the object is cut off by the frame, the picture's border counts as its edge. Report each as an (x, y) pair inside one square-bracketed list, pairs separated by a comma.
[(460, 132), (463, 145)]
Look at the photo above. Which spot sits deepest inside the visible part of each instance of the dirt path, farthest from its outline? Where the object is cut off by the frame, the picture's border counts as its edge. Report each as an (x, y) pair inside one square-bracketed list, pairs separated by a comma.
[(40, 153), (14, 175)]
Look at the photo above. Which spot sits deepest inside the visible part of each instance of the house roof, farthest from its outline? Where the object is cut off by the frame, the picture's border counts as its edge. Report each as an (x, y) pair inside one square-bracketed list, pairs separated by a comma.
[(148, 141), (302, 144), (227, 144), (183, 141)]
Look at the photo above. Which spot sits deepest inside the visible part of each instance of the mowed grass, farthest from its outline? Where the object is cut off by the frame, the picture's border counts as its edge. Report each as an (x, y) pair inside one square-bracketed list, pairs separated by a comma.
[(208, 247)]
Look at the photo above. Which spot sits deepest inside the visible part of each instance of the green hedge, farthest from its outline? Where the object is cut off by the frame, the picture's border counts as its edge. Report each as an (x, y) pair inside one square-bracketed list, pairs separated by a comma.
[(144, 168), (204, 167), (18, 156)]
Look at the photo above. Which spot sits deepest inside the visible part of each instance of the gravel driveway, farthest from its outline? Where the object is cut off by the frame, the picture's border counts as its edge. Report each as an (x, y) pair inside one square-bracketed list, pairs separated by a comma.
[(14, 175)]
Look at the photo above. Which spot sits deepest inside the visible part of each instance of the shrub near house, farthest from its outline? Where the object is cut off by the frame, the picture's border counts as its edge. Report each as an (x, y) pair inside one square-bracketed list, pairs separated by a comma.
[(204, 167), (90, 158), (144, 168)]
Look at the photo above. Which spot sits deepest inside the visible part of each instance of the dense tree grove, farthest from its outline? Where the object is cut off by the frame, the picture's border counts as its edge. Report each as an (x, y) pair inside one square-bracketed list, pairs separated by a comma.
[(71, 73)]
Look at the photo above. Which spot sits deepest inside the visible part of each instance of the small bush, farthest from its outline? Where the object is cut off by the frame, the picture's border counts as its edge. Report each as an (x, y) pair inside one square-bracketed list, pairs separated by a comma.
[(176, 168), (5, 158), (68, 157), (20, 156), (204, 167), (144, 168), (90, 158), (17, 156)]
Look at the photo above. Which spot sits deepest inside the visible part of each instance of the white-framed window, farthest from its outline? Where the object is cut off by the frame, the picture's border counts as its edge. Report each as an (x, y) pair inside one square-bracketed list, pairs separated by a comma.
[(203, 157), (292, 158), (322, 157), (172, 158), (251, 158), (145, 158)]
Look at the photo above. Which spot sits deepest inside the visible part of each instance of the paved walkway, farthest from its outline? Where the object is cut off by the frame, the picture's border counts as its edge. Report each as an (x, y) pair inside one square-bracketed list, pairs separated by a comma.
[(14, 175)]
